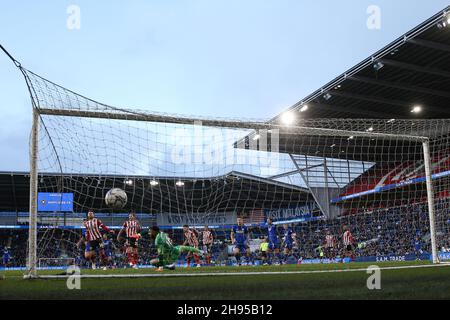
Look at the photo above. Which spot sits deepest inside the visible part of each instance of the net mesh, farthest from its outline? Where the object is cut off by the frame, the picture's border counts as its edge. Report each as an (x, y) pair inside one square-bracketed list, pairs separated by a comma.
[(316, 174)]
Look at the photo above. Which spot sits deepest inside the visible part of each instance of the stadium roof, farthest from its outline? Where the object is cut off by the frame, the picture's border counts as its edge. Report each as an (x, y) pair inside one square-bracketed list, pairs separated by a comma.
[(413, 70), (232, 192), (409, 79)]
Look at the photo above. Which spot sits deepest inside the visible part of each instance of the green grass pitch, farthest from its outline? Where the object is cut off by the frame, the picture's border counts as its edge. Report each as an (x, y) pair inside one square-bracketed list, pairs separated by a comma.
[(314, 282)]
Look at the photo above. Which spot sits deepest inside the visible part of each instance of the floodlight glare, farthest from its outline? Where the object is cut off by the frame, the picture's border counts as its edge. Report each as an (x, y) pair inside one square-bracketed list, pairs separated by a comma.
[(288, 118), (179, 183), (416, 109), (304, 108), (378, 65), (154, 183), (327, 96)]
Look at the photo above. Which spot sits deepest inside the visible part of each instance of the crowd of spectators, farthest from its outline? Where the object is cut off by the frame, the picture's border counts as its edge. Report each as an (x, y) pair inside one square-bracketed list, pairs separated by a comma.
[(397, 231)]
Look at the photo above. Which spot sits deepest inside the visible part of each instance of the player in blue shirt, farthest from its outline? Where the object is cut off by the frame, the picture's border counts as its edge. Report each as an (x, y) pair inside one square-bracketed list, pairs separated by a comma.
[(239, 237), (87, 246), (288, 241), (108, 248), (274, 244), (418, 248), (6, 256)]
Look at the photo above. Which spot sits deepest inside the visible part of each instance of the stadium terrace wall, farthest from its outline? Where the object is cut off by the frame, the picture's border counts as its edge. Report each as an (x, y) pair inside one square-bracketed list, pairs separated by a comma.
[(225, 220), (19, 220), (390, 187)]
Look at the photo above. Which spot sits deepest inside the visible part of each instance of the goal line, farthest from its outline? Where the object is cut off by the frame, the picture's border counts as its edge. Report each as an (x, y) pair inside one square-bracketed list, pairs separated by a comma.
[(246, 273)]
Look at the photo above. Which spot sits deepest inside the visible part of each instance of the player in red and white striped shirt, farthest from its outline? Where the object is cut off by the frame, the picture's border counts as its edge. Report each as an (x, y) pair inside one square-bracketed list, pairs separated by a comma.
[(93, 238), (348, 241), (132, 229), (207, 239), (191, 239), (330, 245)]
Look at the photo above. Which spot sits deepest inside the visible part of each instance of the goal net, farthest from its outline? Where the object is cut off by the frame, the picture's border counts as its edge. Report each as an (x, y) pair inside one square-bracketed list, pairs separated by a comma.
[(56, 263), (379, 178)]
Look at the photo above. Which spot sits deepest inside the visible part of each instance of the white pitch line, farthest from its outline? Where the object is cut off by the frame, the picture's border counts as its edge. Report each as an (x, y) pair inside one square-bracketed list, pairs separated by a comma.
[(250, 273)]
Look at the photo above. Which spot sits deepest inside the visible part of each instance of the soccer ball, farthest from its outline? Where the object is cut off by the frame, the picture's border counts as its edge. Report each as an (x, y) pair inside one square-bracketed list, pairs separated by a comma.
[(116, 198)]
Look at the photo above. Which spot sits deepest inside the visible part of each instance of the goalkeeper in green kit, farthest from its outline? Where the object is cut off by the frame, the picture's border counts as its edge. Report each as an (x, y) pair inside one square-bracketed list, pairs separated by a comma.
[(168, 254)]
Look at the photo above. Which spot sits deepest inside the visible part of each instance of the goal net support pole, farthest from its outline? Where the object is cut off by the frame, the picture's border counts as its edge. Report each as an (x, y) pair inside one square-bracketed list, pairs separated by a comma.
[(32, 235), (430, 199)]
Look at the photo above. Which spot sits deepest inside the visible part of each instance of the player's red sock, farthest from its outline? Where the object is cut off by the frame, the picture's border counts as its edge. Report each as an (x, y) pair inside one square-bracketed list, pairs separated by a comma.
[(104, 259), (130, 257), (197, 259), (135, 258), (188, 261)]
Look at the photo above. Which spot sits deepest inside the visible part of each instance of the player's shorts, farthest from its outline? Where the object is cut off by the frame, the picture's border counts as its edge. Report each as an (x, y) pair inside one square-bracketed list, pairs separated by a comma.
[(207, 248), (274, 245), (349, 247), (241, 246), (94, 245), (87, 247), (329, 250), (132, 242)]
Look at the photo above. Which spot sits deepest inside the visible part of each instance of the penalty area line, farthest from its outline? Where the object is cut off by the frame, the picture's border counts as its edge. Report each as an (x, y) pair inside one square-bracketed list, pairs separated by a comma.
[(244, 273)]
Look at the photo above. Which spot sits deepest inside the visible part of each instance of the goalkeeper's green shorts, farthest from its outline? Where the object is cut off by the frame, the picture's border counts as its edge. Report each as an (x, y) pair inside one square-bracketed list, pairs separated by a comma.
[(172, 256)]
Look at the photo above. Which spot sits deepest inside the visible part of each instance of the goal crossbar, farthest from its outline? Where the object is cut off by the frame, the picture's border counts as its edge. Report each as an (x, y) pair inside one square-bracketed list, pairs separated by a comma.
[(222, 123)]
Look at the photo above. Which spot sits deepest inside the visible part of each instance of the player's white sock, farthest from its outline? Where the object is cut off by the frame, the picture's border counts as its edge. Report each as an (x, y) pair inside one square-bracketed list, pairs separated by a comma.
[(171, 266)]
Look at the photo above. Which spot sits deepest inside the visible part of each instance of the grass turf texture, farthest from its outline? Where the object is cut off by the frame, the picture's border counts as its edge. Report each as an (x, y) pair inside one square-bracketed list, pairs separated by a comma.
[(414, 283)]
